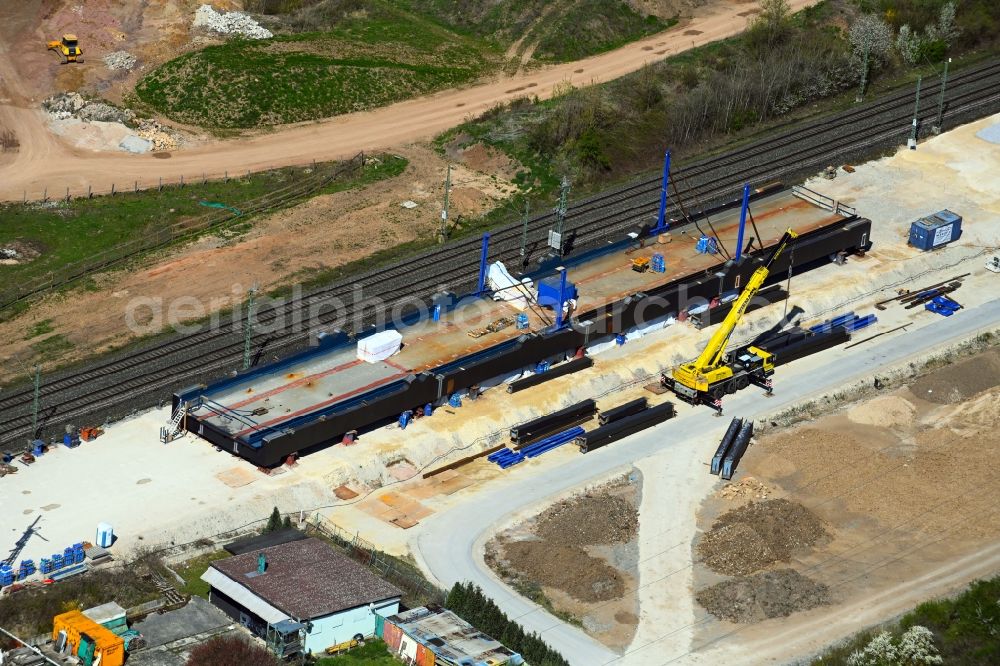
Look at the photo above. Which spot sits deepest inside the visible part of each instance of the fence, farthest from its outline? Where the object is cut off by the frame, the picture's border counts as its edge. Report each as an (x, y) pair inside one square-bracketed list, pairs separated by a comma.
[(365, 552), (177, 231)]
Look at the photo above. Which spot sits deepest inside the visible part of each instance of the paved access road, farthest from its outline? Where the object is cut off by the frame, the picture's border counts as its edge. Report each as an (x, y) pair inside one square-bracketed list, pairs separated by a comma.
[(450, 545), (44, 162)]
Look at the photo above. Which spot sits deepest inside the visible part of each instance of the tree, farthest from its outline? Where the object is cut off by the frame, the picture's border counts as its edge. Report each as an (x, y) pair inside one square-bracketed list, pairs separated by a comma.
[(230, 651), (274, 522), (456, 599), (286, 523), (880, 651), (872, 36), (770, 23), (917, 647)]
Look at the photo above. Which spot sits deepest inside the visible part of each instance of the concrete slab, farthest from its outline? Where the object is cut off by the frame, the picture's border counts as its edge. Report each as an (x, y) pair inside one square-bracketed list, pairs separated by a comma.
[(991, 133), (197, 617), (151, 493)]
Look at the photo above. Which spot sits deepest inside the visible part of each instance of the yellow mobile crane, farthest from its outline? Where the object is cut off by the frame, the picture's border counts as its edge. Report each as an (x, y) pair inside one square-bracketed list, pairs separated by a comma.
[(711, 375)]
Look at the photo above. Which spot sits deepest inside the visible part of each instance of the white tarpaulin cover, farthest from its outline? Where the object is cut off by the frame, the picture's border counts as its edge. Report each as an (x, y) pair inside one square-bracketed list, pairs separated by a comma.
[(506, 288), (379, 346)]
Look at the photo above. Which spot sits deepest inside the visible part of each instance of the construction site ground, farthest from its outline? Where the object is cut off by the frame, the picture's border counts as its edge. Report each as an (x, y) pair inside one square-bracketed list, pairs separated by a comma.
[(188, 490), (580, 556), (900, 481)]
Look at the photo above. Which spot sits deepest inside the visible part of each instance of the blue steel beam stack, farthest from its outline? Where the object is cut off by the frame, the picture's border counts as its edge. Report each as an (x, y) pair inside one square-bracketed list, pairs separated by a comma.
[(553, 442), (505, 457), (7, 576), (848, 320)]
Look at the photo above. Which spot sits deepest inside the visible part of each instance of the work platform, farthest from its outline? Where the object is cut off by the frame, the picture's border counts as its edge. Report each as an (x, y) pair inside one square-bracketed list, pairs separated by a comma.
[(314, 397)]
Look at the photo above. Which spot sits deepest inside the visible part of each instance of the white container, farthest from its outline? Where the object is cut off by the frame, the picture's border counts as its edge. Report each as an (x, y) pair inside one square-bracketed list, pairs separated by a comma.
[(105, 535), (379, 346)]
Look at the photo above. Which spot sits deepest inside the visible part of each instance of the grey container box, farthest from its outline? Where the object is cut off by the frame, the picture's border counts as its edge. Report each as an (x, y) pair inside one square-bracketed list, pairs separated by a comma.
[(935, 230)]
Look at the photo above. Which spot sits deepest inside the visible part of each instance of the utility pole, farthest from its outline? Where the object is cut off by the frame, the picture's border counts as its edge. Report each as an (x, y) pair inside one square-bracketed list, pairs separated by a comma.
[(524, 233), (443, 236), (248, 326), (912, 143), (34, 402), (555, 237), (944, 82), (864, 76)]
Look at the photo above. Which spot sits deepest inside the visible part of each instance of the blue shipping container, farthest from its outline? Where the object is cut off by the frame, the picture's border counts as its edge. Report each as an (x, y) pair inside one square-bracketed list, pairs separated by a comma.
[(935, 230)]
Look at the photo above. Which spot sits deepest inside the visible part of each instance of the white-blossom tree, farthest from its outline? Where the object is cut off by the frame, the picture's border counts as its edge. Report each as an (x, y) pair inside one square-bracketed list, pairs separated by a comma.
[(871, 39), (917, 647), (880, 651)]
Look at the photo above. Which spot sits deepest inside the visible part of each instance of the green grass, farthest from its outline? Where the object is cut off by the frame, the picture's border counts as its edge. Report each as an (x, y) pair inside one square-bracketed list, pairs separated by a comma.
[(373, 653), (966, 628), (594, 26), (50, 348), (39, 328), (192, 570), (362, 62), (78, 231), (563, 30)]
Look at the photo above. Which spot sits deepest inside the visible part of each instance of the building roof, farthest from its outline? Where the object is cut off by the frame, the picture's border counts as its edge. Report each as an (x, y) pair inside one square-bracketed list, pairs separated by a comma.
[(264, 541), (307, 579), (451, 638), (243, 596)]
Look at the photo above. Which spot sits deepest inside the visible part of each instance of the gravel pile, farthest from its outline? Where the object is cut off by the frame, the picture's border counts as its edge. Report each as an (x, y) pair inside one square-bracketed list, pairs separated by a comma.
[(757, 535), (74, 105), (161, 138), (590, 519), (763, 596), (229, 23), (119, 60)]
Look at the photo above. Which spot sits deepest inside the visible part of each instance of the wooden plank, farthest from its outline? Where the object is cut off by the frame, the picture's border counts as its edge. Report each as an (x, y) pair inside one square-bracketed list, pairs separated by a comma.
[(462, 461)]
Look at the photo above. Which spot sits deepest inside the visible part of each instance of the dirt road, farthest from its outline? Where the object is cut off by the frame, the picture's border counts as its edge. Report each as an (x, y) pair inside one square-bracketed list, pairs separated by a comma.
[(45, 163)]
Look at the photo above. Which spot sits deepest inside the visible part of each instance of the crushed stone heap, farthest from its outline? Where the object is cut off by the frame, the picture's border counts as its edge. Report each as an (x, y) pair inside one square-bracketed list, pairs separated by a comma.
[(229, 23)]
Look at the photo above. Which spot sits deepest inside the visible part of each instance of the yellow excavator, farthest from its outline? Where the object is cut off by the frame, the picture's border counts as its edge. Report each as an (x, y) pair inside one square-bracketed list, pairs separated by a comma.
[(69, 48), (711, 376)]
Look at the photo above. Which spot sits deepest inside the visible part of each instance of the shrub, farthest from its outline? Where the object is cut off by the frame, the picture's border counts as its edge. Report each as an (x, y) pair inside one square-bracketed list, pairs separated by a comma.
[(230, 651)]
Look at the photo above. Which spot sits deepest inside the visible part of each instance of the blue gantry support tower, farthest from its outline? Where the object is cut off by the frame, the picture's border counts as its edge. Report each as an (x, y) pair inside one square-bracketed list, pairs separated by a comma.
[(481, 285), (661, 223), (743, 221), (562, 298)]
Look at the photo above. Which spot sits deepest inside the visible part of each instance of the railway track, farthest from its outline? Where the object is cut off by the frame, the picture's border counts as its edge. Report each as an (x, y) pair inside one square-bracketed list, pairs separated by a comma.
[(128, 381)]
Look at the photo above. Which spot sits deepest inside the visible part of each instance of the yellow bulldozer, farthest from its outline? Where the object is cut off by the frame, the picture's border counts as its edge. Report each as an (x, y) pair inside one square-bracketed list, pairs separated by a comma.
[(69, 48)]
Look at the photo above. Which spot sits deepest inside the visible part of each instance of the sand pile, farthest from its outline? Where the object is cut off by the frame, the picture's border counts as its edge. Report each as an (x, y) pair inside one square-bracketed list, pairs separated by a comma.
[(889, 410)]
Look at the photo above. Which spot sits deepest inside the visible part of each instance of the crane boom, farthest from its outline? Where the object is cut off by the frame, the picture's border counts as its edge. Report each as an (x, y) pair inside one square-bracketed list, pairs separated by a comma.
[(712, 355), (709, 376)]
